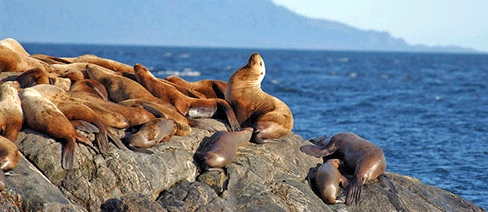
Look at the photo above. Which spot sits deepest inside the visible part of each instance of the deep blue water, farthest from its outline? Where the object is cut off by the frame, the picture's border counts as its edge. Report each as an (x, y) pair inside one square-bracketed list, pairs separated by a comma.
[(428, 112)]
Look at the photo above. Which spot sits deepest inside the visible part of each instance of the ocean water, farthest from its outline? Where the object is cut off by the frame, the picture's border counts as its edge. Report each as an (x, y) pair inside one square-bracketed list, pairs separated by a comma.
[(428, 112)]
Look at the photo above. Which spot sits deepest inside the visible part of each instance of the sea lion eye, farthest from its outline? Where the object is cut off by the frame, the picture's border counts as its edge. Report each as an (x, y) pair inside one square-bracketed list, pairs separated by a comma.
[(261, 63)]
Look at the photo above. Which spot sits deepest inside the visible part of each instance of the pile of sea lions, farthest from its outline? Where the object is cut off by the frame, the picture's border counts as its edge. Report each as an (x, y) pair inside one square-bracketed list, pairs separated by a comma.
[(59, 95)]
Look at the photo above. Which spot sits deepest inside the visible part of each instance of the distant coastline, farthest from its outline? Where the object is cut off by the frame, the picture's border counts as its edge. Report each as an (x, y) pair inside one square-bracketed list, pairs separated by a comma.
[(253, 24)]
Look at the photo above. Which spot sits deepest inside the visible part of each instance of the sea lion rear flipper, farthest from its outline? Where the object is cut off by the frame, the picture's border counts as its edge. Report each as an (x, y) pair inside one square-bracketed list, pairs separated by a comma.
[(116, 140), (68, 154), (314, 151), (102, 141), (354, 193)]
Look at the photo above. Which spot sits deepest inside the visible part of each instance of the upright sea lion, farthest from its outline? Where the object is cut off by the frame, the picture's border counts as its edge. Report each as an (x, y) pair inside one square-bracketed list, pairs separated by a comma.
[(361, 158), (120, 88), (267, 115), (154, 132), (192, 107), (327, 180), (209, 88), (220, 149), (42, 115), (106, 63), (11, 115), (9, 156)]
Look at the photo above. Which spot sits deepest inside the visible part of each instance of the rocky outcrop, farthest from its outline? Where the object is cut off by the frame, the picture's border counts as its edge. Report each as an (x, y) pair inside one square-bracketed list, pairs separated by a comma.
[(267, 177)]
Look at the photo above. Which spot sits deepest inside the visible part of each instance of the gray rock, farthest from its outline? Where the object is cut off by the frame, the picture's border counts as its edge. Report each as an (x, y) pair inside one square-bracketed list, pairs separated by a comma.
[(264, 177)]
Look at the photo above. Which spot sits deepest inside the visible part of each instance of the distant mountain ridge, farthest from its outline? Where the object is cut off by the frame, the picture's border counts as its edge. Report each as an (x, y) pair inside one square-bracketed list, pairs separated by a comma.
[(210, 23)]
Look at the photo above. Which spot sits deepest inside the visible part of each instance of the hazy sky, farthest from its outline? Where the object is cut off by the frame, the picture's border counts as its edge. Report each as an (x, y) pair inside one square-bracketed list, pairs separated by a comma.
[(432, 22)]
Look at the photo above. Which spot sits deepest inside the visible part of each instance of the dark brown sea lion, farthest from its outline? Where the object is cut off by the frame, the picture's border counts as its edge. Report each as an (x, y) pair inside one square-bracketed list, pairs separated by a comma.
[(267, 115), (11, 115), (327, 181), (120, 88), (192, 107), (106, 63), (220, 149), (42, 115), (9, 156), (363, 159), (209, 88), (154, 132)]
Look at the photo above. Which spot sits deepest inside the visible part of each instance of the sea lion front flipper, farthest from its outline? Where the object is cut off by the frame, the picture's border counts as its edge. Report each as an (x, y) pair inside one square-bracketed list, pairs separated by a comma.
[(314, 151)]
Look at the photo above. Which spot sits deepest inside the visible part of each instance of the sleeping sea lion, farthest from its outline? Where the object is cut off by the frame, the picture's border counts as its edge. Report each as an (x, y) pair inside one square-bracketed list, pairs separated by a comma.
[(192, 107), (11, 115), (220, 149)]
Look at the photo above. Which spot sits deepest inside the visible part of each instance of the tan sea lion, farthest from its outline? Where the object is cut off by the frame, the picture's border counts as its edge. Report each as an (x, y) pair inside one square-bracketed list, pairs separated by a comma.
[(327, 181), (120, 88), (209, 88), (220, 149), (9, 156), (154, 132), (106, 63), (90, 87), (14, 46), (192, 107), (11, 61), (363, 159), (73, 71), (34, 77), (42, 115), (267, 115), (49, 59), (11, 115)]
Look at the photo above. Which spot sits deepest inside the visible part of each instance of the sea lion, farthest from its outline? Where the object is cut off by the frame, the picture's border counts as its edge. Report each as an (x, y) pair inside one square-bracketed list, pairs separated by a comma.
[(11, 115), (49, 59), (363, 159), (120, 88), (154, 132), (106, 63), (89, 87), (192, 107), (42, 115), (9, 156), (11, 61), (209, 88), (327, 181), (34, 77), (220, 149), (267, 115), (14, 46)]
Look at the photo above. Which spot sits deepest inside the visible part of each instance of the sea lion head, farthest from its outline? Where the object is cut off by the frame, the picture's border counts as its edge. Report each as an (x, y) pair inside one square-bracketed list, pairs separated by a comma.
[(256, 64), (334, 162)]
